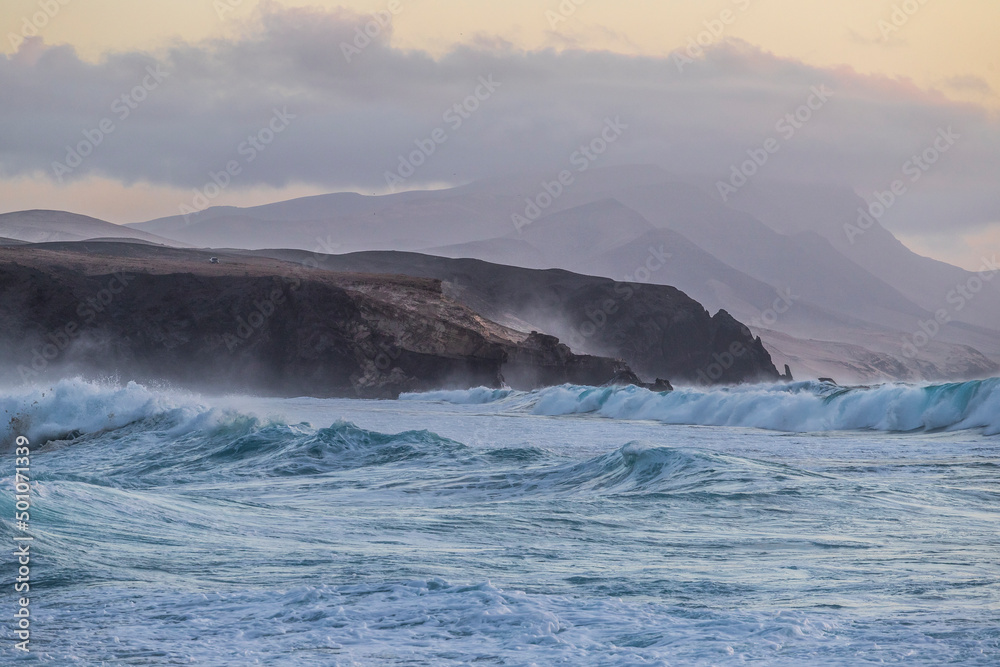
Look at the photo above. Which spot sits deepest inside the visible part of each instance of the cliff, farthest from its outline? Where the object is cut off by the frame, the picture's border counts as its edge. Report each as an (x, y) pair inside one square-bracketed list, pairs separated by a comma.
[(256, 324), (659, 331)]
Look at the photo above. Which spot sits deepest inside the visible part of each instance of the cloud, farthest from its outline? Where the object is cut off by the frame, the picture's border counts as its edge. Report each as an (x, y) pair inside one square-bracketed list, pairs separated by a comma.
[(353, 120)]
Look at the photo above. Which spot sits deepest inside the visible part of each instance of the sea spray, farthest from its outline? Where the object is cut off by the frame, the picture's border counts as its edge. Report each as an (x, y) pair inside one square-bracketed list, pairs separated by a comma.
[(792, 407)]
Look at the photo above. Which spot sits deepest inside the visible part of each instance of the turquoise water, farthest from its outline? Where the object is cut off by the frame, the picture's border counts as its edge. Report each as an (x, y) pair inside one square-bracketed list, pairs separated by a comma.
[(571, 526)]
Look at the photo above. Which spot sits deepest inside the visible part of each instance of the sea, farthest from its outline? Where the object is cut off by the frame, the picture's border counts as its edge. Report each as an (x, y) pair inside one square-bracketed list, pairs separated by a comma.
[(786, 524)]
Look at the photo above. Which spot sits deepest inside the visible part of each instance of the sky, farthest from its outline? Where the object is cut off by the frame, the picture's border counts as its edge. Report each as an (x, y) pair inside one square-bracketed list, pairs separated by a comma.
[(163, 95)]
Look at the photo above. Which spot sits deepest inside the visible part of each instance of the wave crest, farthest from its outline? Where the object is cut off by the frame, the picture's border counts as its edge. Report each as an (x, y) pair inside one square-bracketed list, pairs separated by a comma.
[(794, 407), (73, 407), (298, 450), (637, 469)]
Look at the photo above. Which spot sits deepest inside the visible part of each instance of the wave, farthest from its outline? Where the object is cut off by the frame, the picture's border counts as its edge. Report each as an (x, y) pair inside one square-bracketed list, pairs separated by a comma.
[(132, 436), (299, 450), (791, 407), (73, 407), (137, 457), (636, 469), (795, 407)]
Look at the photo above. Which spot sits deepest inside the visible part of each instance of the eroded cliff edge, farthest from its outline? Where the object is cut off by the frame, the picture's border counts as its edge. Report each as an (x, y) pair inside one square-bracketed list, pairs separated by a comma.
[(248, 324), (659, 331), (260, 324)]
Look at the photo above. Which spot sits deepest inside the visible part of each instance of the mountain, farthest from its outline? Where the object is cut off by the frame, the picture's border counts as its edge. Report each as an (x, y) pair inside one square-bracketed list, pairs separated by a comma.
[(611, 240), (832, 211), (402, 221), (775, 256), (340, 221), (569, 237), (826, 300), (39, 226), (804, 262)]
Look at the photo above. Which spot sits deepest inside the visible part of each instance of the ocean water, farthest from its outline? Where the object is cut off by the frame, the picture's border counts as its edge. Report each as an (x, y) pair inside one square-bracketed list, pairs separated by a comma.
[(792, 524)]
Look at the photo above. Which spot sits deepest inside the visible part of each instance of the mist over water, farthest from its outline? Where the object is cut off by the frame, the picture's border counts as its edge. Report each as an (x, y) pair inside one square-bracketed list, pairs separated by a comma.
[(568, 526)]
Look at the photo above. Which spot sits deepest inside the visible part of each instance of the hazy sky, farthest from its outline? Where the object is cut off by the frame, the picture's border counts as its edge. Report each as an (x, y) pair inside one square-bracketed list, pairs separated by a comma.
[(223, 66)]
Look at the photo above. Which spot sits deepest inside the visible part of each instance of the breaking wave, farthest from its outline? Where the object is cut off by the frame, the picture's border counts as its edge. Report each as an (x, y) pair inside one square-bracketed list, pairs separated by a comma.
[(792, 407), (74, 407)]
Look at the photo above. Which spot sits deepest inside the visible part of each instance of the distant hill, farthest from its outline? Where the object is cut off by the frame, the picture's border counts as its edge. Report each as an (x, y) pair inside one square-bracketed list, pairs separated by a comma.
[(825, 210), (40, 226)]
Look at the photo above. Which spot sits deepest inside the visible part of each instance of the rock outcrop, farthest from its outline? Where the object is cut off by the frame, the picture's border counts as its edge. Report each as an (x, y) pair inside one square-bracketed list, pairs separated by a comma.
[(258, 325), (657, 330)]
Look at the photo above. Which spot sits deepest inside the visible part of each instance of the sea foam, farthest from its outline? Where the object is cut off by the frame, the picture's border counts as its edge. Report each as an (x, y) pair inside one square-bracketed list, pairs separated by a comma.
[(791, 407), (73, 406)]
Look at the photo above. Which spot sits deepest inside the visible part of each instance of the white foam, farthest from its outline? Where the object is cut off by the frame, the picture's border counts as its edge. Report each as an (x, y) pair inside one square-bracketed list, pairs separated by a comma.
[(797, 407), (792, 407), (91, 407)]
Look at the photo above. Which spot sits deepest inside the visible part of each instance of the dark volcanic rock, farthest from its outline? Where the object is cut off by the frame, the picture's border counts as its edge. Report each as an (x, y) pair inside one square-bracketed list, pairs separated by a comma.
[(541, 361), (253, 324), (660, 385), (658, 331)]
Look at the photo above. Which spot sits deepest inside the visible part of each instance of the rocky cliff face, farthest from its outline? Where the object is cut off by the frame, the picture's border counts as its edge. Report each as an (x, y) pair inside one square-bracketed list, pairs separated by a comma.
[(657, 330), (254, 324)]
